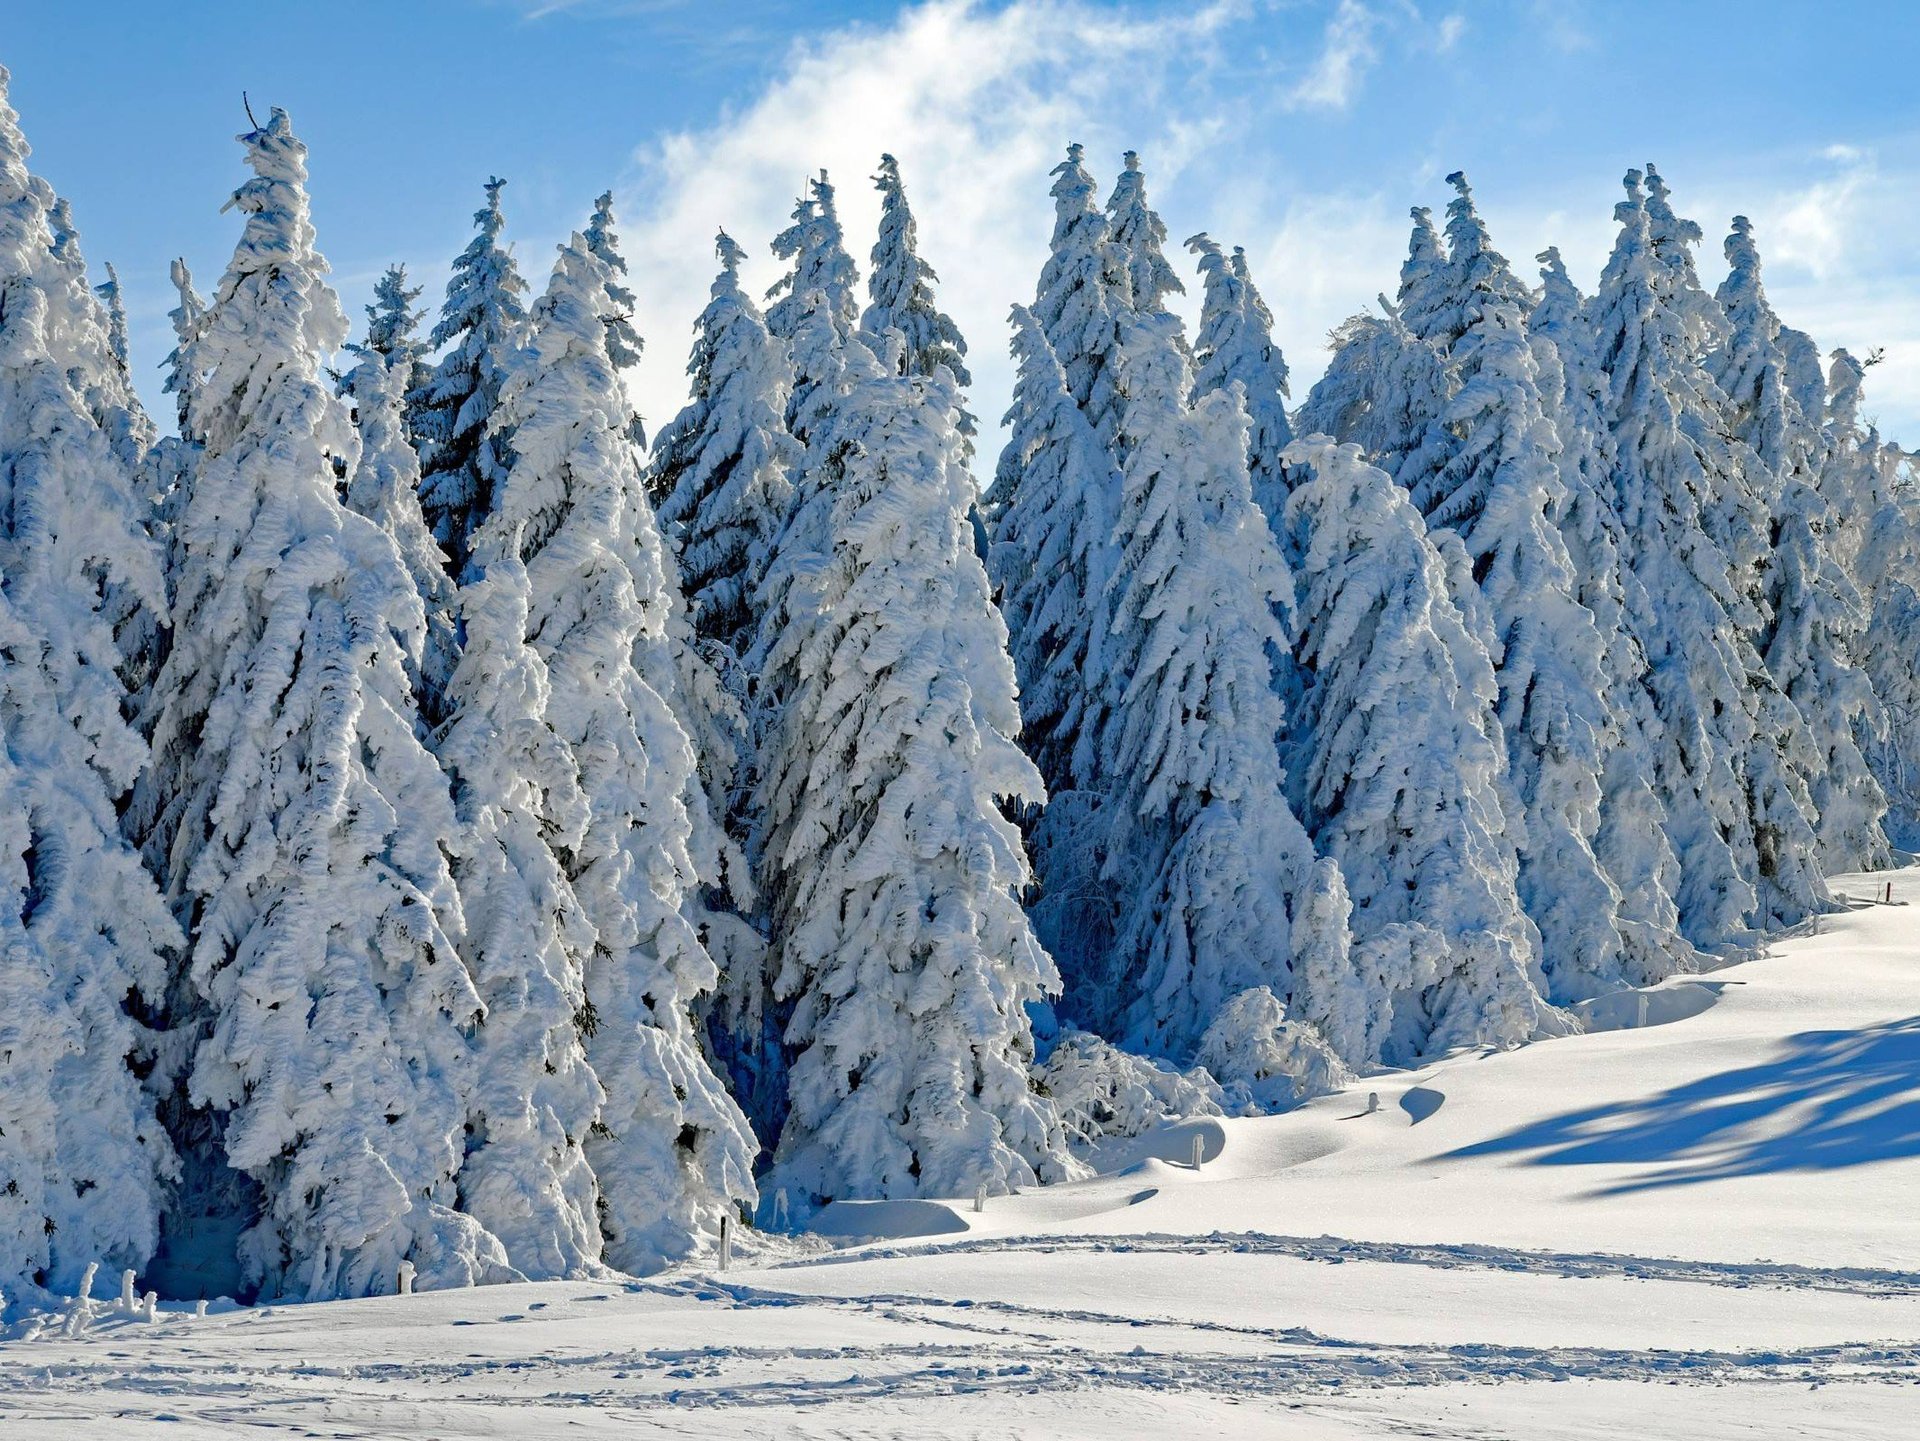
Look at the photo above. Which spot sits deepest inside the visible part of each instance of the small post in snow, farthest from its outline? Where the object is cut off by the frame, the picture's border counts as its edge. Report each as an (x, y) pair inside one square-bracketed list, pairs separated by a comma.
[(1643, 1009), (127, 1301), (1199, 1149), (726, 1242), (1889, 892), (403, 1283), (1373, 1102), (980, 1198)]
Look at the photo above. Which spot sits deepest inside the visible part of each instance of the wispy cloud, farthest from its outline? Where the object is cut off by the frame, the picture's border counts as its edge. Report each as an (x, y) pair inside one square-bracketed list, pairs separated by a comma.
[(977, 103), (1347, 52)]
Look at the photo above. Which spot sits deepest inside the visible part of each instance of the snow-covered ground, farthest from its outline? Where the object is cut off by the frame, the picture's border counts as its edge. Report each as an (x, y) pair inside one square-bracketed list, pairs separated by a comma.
[(1704, 1228)]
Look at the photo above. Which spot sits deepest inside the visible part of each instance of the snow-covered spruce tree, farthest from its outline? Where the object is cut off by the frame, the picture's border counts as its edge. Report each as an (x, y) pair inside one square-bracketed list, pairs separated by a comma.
[(1731, 810), (900, 289), (1812, 615), (624, 345), (84, 1160), (463, 454), (1632, 841), (816, 246), (1877, 540), (893, 877), (384, 486), (670, 1149), (300, 826), (88, 338), (1388, 391), (1397, 768), (722, 467), (1422, 299), (1140, 237), (1499, 490), (1235, 344), (1049, 557), (534, 1099), (1084, 294), (180, 380), (393, 329), (1205, 857)]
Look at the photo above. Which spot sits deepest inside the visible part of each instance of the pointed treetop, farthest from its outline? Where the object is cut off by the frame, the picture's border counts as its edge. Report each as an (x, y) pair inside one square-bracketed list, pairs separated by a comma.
[(1421, 299), (624, 345), (1072, 191), (391, 318), (729, 251), (816, 245), (1141, 235), (109, 293), (900, 292)]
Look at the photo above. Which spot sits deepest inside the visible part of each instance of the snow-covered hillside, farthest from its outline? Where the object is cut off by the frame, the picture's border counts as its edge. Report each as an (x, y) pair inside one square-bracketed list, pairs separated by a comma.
[(1702, 1227)]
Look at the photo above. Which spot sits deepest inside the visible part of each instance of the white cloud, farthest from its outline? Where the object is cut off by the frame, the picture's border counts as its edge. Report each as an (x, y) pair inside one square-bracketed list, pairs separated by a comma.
[(1451, 29), (978, 102), (1817, 228), (1347, 53), (978, 105)]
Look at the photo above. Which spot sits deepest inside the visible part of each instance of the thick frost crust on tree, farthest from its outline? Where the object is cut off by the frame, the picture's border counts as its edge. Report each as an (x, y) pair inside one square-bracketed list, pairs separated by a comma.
[(670, 1149), (816, 247), (534, 1098), (1235, 344), (1265, 1061), (1632, 841), (624, 345), (1104, 1093), (722, 468), (1050, 556), (302, 834), (1084, 295), (384, 486), (84, 1161), (1738, 813), (1140, 237), (1813, 617), (1397, 769), (464, 454), (1204, 855), (900, 290), (1875, 536), (892, 876)]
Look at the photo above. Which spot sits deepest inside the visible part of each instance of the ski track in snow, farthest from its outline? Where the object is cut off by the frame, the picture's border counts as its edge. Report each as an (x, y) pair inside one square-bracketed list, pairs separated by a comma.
[(996, 1346), (1335, 1250)]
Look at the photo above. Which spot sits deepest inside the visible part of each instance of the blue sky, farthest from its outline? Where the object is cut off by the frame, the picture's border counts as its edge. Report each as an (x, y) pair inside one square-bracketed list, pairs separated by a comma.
[(1302, 129)]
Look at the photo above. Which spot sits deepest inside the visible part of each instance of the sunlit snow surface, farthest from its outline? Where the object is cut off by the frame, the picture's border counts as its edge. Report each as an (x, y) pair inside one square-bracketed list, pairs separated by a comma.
[(1705, 1228)]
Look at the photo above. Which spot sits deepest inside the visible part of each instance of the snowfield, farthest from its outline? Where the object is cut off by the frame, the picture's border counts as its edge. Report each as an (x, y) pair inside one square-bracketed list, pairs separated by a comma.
[(1703, 1228)]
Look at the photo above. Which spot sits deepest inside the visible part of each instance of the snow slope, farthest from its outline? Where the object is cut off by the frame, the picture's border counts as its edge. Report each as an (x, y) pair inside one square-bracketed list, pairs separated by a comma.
[(1701, 1228)]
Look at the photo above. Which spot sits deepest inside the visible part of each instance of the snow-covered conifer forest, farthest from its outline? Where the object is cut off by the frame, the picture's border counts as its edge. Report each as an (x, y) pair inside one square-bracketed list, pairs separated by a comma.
[(456, 831)]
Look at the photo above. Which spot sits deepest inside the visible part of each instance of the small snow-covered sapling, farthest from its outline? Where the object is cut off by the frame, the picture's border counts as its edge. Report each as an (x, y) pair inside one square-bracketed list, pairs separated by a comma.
[(980, 1199), (404, 1286), (1373, 1102), (726, 1242), (200, 1309), (127, 1301), (150, 1307), (1199, 1151)]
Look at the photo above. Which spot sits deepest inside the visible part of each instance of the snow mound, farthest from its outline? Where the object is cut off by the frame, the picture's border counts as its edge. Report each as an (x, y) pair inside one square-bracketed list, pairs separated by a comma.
[(886, 1220), (1663, 1005)]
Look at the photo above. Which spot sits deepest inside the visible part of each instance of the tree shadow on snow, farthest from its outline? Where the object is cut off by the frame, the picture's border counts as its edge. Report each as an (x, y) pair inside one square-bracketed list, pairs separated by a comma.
[(1848, 1098)]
